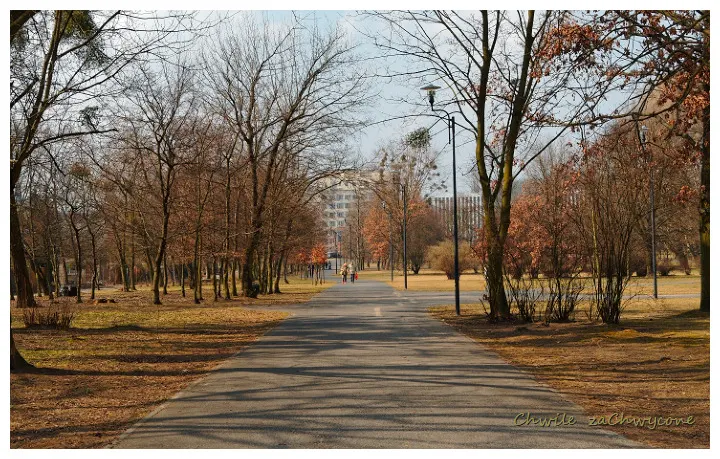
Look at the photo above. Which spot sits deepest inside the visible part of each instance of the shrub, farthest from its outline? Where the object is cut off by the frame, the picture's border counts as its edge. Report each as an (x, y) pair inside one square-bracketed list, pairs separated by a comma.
[(562, 299), (524, 296), (52, 317), (663, 269), (442, 257)]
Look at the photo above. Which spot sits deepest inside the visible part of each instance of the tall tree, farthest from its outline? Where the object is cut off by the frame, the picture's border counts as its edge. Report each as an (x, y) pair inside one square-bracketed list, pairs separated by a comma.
[(502, 93), (61, 64), (283, 91), (163, 113), (661, 61)]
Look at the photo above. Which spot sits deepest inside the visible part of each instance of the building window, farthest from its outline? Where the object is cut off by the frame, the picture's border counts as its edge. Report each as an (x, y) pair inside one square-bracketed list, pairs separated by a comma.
[(332, 223), (341, 214)]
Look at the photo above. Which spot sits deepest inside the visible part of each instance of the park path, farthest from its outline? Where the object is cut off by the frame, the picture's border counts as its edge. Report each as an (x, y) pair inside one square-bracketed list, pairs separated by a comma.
[(363, 366)]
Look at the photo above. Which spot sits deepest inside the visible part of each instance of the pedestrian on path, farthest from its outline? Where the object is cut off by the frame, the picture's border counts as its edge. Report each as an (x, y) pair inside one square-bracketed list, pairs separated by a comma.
[(351, 269), (344, 272)]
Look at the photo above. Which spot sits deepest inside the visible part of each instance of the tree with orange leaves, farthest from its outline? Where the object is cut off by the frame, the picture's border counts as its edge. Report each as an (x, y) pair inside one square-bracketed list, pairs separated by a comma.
[(318, 257), (662, 59)]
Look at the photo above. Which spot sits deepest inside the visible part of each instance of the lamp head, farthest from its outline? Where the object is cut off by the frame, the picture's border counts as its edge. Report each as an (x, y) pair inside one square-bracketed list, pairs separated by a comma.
[(431, 88)]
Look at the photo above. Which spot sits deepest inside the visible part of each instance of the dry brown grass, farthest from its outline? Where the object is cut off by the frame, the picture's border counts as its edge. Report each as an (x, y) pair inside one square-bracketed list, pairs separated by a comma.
[(429, 280), (120, 361), (655, 363)]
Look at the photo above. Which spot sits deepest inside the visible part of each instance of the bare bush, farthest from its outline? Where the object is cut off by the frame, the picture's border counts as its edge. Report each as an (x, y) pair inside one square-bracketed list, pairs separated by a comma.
[(442, 257), (663, 269), (524, 296), (56, 317), (562, 300)]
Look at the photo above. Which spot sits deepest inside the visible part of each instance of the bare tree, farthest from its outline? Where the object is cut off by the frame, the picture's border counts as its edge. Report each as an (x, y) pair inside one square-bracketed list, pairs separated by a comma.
[(284, 91), (162, 113), (62, 63), (494, 65)]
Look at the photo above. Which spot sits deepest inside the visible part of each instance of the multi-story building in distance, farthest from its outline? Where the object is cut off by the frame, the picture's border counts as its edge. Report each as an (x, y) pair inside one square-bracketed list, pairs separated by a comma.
[(341, 203), (469, 214)]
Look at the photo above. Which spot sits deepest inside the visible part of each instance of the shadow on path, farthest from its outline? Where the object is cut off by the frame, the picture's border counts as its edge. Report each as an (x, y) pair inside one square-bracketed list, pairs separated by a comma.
[(359, 367)]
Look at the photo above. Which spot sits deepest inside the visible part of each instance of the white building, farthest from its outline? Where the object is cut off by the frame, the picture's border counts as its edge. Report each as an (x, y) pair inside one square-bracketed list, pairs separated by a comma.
[(469, 214), (340, 203)]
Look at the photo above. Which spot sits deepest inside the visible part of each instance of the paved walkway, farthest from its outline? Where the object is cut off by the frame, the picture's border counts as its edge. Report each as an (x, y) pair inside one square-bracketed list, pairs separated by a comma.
[(362, 366)]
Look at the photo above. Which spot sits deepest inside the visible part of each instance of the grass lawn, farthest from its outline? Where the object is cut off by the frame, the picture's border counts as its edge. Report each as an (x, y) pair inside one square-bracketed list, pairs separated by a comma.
[(430, 280), (120, 361), (426, 281), (655, 363)]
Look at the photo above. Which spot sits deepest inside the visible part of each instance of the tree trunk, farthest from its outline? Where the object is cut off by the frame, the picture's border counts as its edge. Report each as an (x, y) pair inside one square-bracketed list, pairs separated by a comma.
[(165, 274), (161, 253), (56, 271), (234, 276), (214, 278), (132, 263), (499, 308), (250, 249), (78, 262), (247, 279), (24, 292), (268, 270), (197, 268), (94, 264), (182, 279), (705, 215), (226, 277), (124, 271), (278, 273), (226, 258), (17, 362)]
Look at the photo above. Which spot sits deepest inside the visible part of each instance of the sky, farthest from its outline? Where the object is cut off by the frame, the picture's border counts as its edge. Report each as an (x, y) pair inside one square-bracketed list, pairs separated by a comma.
[(384, 114), (394, 112), (383, 128)]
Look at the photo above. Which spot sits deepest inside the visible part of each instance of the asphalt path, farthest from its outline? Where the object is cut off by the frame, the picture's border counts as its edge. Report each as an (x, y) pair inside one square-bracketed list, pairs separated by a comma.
[(364, 366)]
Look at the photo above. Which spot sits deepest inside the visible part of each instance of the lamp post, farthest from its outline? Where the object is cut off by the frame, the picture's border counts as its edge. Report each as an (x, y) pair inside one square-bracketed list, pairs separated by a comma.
[(451, 139), (336, 251), (404, 198), (642, 133)]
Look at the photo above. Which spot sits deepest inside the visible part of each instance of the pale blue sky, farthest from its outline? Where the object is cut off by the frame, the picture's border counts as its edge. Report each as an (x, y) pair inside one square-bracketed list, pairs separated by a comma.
[(393, 96)]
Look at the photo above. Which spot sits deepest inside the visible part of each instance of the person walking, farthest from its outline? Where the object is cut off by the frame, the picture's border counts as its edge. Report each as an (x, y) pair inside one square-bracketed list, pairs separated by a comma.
[(351, 269), (344, 272)]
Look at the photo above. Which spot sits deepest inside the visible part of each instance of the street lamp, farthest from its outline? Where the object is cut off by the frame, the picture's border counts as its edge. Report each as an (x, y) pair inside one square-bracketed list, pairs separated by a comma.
[(431, 89), (642, 134), (404, 198)]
